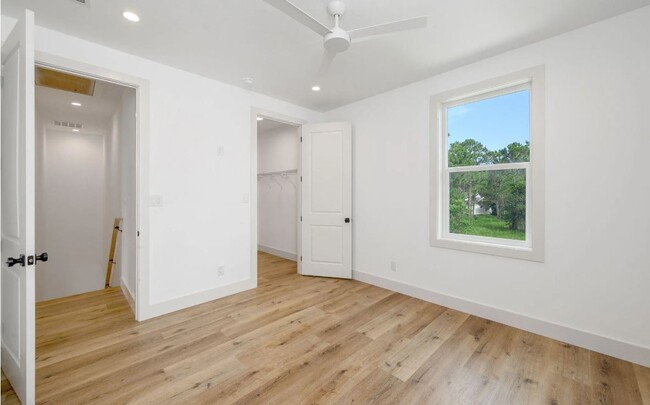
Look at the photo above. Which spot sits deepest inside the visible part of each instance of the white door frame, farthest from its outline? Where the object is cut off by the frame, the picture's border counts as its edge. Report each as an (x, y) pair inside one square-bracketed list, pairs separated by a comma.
[(141, 86), (295, 122)]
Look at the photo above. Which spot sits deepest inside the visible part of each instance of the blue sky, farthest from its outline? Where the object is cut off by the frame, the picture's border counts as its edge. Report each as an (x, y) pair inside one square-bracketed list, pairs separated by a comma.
[(495, 122)]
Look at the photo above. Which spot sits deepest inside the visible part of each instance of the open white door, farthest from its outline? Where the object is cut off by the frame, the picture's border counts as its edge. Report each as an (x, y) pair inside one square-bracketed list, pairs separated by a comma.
[(18, 313), (326, 229)]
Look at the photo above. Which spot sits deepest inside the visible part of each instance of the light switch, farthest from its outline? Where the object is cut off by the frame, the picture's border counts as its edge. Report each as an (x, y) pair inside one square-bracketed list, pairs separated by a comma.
[(220, 151), (156, 200)]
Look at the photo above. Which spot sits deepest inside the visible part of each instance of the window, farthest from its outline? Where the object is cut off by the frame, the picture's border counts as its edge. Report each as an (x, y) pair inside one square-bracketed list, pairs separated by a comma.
[(487, 167)]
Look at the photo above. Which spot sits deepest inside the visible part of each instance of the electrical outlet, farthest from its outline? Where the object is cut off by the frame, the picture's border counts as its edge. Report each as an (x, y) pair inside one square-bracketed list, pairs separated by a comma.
[(393, 266), (221, 270)]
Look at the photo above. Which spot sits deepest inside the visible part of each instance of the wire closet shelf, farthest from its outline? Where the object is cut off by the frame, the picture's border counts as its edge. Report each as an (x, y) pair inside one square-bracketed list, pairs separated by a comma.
[(278, 177)]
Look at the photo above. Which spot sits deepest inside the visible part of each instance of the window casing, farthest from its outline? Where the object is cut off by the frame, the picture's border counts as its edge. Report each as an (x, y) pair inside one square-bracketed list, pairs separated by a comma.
[(532, 247)]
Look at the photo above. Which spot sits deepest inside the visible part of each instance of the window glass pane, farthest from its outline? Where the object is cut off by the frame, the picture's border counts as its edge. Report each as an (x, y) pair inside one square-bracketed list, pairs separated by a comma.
[(492, 130), (488, 203)]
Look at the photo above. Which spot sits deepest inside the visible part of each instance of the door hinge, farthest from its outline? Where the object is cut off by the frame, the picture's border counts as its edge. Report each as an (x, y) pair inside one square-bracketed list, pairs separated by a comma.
[(300, 258), (301, 139), (301, 179), (301, 218), (138, 233)]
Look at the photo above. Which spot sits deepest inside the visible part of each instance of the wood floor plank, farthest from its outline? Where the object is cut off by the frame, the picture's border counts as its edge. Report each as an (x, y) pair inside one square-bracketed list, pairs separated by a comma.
[(614, 381), (309, 340), (8, 396), (406, 362), (305, 376), (643, 379), (443, 377), (526, 374), (350, 372), (142, 377)]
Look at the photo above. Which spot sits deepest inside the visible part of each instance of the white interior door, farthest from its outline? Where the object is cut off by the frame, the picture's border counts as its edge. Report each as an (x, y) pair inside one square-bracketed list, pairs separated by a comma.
[(326, 228), (18, 314)]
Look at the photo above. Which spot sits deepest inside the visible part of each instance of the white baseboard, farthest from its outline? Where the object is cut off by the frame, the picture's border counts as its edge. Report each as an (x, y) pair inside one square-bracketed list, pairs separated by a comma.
[(601, 344), (176, 304), (127, 294), (277, 252)]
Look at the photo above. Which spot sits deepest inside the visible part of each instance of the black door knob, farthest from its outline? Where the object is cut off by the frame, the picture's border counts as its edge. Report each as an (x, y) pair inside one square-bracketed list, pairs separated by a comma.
[(42, 257), (11, 262), (347, 220)]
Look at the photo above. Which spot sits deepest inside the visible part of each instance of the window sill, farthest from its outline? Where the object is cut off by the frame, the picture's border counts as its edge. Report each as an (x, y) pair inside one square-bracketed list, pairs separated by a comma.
[(510, 249)]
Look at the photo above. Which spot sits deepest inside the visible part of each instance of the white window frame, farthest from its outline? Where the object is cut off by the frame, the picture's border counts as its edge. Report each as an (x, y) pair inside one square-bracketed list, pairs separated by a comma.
[(533, 247)]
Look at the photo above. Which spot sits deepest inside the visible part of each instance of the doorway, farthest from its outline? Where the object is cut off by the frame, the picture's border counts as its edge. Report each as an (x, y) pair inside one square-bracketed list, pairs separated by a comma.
[(323, 194), (85, 184), (278, 192)]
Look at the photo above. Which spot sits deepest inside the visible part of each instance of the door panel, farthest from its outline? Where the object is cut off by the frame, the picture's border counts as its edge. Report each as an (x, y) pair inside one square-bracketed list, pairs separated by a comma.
[(326, 163), (327, 242), (17, 147), (326, 172)]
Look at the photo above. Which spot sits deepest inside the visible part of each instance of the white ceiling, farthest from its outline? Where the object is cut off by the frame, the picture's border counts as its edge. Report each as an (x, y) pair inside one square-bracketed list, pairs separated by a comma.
[(94, 114), (231, 39)]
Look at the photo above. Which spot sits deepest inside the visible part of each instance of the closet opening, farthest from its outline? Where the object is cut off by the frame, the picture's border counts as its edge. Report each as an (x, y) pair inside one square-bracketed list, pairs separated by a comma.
[(278, 198)]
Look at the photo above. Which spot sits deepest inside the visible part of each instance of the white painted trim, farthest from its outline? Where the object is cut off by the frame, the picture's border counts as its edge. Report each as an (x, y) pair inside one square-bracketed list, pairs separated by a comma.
[(141, 86), (127, 294), (487, 168), (533, 79), (176, 304), (601, 344), (296, 122), (277, 252)]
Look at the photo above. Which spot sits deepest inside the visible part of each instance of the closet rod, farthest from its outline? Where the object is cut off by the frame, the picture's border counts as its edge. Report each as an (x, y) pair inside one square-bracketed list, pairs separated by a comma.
[(278, 172)]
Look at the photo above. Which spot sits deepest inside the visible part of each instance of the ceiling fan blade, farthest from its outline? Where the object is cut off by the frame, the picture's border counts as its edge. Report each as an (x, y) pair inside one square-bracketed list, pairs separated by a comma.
[(389, 28), (297, 14), (326, 62)]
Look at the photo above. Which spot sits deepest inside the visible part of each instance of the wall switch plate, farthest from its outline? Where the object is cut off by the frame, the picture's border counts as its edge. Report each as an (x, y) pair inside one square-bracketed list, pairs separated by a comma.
[(156, 200), (393, 266), (221, 270), (245, 198), (220, 151)]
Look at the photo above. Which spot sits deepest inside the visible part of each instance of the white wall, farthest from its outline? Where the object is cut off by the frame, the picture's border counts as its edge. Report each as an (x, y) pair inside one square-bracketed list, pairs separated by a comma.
[(120, 192), (127, 150), (69, 215), (205, 218), (277, 150), (597, 271), (112, 192)]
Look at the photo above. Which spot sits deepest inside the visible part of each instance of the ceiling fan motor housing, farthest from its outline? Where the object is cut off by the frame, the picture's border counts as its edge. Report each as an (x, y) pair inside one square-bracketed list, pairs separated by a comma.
[(336, 7), (337, 41)]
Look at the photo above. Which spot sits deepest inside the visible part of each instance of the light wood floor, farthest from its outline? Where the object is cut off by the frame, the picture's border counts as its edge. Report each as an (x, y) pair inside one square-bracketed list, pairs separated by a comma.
[(311, 340)]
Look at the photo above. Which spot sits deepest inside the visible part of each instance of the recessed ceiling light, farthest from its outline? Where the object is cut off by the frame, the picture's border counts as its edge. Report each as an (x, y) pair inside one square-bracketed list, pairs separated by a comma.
[(75, 130), (76, 104), (131, 16), (316, 88), (260, 119)]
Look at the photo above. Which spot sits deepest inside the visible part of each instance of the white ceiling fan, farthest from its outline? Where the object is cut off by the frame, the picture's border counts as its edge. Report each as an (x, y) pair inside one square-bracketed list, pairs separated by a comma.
[(336, 39)]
